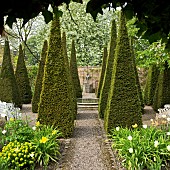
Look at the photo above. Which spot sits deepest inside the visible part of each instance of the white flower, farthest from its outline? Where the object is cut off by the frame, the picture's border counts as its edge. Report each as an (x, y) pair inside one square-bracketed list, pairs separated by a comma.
[(163, 116), (4, 131), (168, 147), (145, 126), (168, 119), (5, 110), (151, 120), (129, 137), (168, 133), (34, 128), (130, 150), (3, 115), (32, 155), (117, 128), (156, 143)]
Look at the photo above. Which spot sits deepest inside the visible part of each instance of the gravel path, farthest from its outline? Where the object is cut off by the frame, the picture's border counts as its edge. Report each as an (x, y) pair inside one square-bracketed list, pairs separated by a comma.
[(86, 149), (89, 148)]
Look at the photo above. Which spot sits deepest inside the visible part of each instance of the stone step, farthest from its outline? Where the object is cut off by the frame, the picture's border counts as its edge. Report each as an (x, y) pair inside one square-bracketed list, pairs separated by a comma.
[(83, 107)]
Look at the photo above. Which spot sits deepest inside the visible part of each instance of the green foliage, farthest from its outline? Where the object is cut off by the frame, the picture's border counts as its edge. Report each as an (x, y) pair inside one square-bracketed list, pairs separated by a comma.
[(22, 79), (89, 36), (162, 93), (9, 91), (39, 79), (141, 148), (150, 86), (124, 105), (46, 147), (74, 72), (108, 72), (70, 81), (102, 71), (26, 147), (55, 99), (18, 155)]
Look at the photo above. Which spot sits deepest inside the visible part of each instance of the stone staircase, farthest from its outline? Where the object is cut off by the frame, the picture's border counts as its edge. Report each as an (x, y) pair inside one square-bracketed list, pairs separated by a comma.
[(87, 104)]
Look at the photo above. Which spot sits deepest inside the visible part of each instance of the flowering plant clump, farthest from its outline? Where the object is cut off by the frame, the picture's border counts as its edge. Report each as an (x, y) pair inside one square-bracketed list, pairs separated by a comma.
[(46, 144), (142, 147), (18, 155), (25, 147)]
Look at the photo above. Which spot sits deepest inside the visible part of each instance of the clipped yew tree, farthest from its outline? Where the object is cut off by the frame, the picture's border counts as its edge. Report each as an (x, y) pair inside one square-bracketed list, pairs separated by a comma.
[(150, 86), (162, 92), (70, 81), (22, 78), (104, 59), (74, 71), (103, 98), (124, 106), (39, 78), (9, 91), (55, 99)]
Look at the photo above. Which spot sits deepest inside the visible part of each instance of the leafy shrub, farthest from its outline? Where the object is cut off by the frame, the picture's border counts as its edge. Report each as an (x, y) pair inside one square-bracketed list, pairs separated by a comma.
[(27, 147), (17, 154)]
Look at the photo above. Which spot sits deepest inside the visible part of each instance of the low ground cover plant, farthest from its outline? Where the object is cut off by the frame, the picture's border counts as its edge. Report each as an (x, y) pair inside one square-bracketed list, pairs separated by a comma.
[(140, 148), (25, 147)]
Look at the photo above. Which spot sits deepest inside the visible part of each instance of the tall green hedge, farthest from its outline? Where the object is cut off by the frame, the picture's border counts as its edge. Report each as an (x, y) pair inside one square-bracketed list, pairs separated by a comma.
[(22, 79), (124, 106), (74, 71), (162, 92), (150, 86), (103, 99), (71, 86), (39, 78), (55, 99), (9, 91), (104, 59)]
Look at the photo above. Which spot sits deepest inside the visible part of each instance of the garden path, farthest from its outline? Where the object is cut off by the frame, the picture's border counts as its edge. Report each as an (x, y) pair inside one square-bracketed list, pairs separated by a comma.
[(88, 149)]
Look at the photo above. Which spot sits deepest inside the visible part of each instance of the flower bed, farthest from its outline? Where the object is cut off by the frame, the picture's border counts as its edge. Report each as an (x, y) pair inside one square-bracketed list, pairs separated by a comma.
[(25, 147), (143, 148)]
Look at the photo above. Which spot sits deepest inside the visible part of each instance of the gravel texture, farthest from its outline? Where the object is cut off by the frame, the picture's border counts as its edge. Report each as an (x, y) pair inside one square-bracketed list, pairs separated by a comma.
[(86, 150)]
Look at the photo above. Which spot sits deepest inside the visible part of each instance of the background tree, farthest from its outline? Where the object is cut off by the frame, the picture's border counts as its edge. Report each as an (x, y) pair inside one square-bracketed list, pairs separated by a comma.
[(39, 78), (22, 79), (89, 36), (124, 106), (74, 72), (9, 91), (108, 73), (55, 99), (102, 71)]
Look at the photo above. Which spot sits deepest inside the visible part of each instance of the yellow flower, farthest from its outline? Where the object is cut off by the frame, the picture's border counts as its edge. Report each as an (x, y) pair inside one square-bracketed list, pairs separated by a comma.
[(37, 123), (54, 132), (135, 125), (11, 119), (43, 140)]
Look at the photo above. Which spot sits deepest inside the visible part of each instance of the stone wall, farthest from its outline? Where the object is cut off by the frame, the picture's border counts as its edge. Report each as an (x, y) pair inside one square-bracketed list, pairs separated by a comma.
[(90, 75)]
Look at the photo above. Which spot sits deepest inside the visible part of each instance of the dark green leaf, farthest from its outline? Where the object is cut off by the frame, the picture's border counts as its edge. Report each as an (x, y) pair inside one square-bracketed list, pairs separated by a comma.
[(10, 20), (48, 16)]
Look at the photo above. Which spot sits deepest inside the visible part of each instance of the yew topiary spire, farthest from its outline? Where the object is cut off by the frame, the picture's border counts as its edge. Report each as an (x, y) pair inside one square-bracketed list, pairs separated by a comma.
[(39, 78), (124, 105), (74, 71), (55, 99), (9, 91), (22, 78)]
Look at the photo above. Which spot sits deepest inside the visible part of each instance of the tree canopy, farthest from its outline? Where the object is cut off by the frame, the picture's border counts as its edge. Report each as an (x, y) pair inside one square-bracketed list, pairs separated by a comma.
[(153, 16)]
